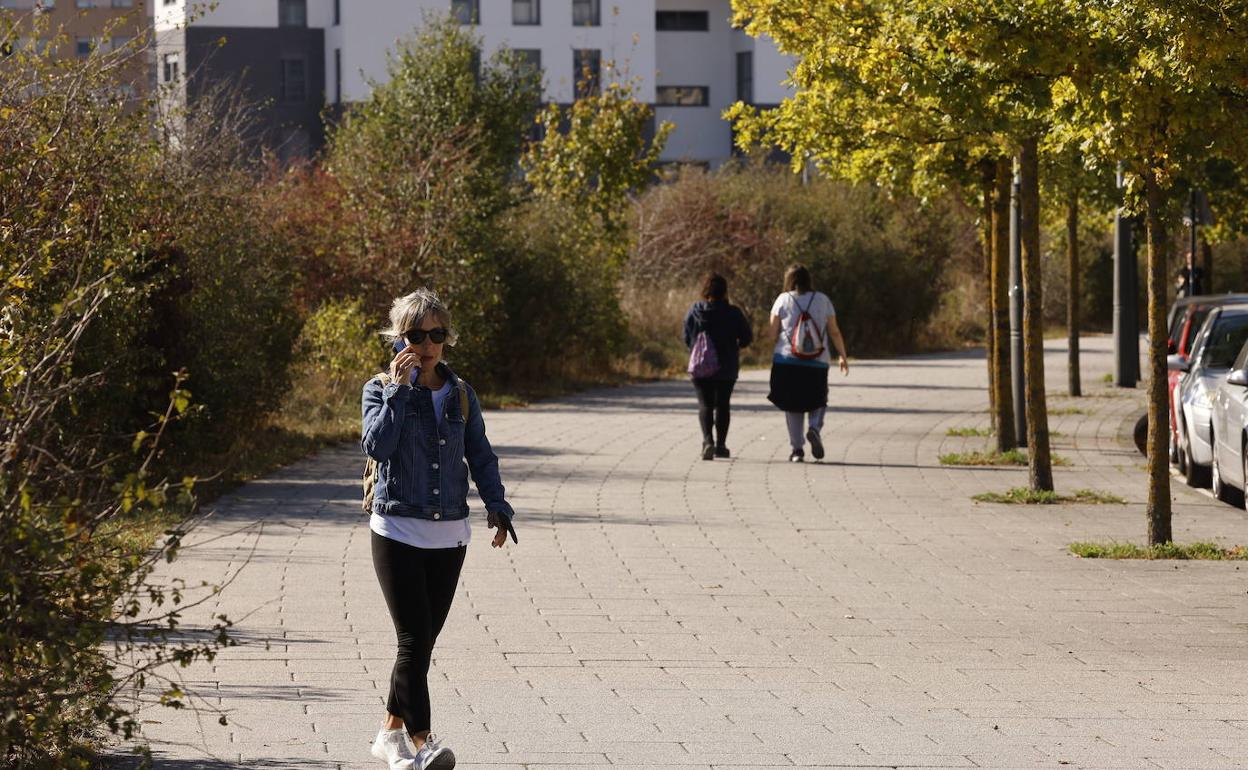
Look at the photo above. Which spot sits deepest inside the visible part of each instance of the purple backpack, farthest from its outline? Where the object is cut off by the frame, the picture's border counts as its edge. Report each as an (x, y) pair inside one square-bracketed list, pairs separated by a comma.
[(703, 361)]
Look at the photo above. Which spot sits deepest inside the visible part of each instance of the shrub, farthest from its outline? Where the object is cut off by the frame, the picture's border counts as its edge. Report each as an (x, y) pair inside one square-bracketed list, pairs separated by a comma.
[(89, 277), (882, 261), (424, 169)]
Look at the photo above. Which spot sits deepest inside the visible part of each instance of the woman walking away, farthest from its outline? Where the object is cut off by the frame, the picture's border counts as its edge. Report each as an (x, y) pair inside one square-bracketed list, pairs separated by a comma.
[(802, 322), (715, 332), (423, 434)]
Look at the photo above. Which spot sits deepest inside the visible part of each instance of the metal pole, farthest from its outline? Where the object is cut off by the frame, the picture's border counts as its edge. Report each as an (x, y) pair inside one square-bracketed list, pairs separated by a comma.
[(1192, 287), (1126, 316), (1016, 309)]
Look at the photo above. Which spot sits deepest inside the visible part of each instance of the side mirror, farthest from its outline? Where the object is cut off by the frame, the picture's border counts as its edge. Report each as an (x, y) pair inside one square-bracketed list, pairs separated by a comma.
[(1238, 377), (1174, 362), (1186, 366)]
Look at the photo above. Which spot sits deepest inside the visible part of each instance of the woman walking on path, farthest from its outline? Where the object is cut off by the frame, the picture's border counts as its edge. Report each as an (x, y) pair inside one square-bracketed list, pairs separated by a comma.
[(423, 428), (727, 331), (802, 321)]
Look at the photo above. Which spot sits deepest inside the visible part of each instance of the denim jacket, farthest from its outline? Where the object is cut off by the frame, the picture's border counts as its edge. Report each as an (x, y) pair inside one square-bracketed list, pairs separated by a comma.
[(423, 467)]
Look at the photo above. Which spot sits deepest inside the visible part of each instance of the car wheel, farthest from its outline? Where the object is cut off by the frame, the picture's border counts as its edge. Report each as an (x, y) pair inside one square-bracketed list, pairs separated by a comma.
[(1194, 475), (1181, 449), (1220, 489), (1173, 449)]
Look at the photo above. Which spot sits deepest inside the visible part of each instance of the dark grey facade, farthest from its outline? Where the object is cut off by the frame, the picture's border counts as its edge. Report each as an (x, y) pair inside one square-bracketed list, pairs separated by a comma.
[(280, 70)]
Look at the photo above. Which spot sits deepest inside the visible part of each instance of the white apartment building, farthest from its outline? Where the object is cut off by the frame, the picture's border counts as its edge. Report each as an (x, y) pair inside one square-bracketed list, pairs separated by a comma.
[(682, 55)]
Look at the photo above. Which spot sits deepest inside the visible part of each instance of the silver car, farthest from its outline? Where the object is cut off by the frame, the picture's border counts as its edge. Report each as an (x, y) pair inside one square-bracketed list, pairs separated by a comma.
[(1215, 350), (1229, 424)]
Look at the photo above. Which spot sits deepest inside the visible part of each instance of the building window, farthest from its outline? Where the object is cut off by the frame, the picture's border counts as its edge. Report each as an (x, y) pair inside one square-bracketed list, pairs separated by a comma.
[(587, 67), (528, 58), (337, 76), (586, 13), (123, 3), (292, 13), (745, 77), (682, 96), (83, 46), (294, 81), (119, 42), (8, 4), (682, 21), (466, 11), (170, 67), (526, 12), (86, 3)]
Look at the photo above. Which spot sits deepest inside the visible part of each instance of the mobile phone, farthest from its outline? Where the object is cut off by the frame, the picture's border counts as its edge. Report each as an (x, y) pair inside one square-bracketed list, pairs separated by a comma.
[(399, 345)]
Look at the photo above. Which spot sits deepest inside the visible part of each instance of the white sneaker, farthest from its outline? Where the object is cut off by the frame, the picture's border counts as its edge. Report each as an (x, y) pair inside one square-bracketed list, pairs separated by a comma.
[(433, 757), (391, 747)]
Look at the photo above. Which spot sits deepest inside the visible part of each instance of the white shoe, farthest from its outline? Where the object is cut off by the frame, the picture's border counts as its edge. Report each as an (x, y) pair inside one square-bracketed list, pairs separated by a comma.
[(391, 747), (433, 757)]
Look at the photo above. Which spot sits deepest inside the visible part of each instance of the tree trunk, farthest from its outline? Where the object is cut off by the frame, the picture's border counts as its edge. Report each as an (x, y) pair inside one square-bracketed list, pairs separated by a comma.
[(1040, 462), (1072, 295), (1158, 416), (987, 177), (1003, 399)]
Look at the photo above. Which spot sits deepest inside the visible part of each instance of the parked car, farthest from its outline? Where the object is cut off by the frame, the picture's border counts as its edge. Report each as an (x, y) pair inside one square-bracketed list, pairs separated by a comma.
[(1229, 426), (1186, 316), (1188, 323), (1217, 345)]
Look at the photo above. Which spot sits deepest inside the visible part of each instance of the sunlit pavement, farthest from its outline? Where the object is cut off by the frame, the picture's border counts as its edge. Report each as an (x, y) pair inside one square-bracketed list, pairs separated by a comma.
[(665, 611)]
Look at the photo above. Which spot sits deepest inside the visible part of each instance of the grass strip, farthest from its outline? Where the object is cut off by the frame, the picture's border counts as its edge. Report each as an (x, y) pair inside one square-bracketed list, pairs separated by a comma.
[(969, 432), (1028, 496), (1068, 410), (1009, 457), (1195, 551)]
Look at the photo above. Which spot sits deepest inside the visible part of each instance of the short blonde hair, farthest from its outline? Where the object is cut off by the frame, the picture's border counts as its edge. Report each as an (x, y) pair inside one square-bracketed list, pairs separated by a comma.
[(409, 310)]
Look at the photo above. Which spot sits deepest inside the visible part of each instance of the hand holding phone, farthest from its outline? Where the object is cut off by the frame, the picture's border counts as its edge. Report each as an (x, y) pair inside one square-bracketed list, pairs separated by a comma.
[(405, 365)]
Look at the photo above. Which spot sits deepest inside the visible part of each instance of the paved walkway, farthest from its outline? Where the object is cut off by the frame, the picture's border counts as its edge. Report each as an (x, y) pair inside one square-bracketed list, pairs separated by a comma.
[(665, 611)]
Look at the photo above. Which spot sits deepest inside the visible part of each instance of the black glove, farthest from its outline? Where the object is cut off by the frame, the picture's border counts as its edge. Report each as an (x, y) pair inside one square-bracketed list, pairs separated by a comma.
[(496, 519)]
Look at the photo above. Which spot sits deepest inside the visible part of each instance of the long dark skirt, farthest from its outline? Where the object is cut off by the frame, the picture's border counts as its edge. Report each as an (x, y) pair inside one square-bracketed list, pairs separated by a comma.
[(798, 388)]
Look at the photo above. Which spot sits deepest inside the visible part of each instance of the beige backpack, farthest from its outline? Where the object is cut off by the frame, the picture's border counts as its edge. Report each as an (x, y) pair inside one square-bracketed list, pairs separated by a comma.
[(369, 479)]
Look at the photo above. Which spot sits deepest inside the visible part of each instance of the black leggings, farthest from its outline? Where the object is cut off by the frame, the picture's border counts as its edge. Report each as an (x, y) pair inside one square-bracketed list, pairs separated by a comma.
[(714, 409), (419, 586)]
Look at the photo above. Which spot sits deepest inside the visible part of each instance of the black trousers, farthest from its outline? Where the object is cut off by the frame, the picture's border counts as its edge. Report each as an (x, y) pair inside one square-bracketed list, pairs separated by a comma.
[(714, 408), (419, 586)]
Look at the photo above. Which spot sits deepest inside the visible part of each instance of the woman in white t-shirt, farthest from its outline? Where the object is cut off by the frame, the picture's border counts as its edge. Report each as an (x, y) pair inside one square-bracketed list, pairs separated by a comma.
[(802, 322)]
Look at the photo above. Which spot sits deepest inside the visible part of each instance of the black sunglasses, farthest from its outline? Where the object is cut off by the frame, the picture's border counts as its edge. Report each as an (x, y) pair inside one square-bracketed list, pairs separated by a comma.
[(417, 336)]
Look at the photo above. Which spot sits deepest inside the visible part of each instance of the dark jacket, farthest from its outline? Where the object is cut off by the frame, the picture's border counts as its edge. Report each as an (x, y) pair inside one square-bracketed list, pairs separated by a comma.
[(728, 329)]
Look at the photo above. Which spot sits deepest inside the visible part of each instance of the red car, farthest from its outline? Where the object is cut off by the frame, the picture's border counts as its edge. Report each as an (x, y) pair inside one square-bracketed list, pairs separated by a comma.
[(1186, 316)]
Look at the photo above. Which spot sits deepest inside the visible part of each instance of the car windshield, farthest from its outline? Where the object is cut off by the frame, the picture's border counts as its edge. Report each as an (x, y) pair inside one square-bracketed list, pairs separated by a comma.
[(1198, 320), (1224, 342), (1176, 321)]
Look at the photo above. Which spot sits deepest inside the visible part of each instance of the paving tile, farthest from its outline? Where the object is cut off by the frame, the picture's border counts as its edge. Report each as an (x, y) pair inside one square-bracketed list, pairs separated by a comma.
[(665, 611)]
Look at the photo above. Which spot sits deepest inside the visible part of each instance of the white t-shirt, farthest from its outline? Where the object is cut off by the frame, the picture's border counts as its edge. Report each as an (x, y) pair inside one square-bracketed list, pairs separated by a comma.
[(425, 533), (788, 308)]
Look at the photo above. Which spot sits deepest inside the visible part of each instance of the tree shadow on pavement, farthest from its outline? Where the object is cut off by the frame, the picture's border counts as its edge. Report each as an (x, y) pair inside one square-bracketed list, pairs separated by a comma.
[(212, 763)]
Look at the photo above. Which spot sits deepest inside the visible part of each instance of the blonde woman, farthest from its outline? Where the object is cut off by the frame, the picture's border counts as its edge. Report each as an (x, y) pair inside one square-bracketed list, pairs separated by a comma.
[(423, 426)]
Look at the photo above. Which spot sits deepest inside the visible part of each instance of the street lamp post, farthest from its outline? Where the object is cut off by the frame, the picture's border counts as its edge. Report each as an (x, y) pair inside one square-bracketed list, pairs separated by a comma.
[(1126, 314), (1016, 310)]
